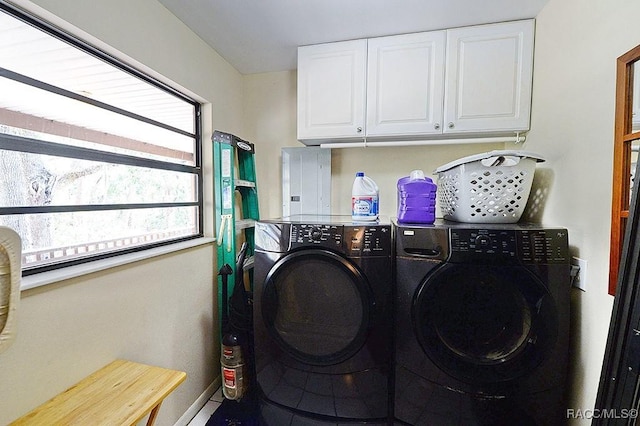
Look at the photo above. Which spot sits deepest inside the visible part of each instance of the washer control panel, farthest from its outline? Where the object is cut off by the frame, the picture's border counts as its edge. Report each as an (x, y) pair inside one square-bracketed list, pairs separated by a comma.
[(543, 246), (498, 245), (466, 244)]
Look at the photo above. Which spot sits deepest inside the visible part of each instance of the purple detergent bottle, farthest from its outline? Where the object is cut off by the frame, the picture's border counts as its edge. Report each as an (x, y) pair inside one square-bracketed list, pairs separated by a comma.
[(416, 199)]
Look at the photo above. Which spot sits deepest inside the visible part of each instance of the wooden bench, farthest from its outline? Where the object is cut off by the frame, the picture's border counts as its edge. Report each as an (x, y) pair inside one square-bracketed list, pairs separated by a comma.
[(121, 393)]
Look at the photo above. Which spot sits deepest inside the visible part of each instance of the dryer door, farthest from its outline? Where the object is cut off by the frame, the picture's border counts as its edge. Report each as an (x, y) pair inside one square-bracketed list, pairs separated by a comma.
[(317, 306), (483, 323)]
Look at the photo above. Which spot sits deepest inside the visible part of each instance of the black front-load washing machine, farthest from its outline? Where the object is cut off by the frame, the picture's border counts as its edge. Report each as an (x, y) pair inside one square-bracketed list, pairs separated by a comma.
[(482, 324), (323, 321)]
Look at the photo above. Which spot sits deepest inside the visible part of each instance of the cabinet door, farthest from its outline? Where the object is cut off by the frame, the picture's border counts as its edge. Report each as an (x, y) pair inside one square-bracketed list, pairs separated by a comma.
[(489, 72), (405, 84), (331, 90)]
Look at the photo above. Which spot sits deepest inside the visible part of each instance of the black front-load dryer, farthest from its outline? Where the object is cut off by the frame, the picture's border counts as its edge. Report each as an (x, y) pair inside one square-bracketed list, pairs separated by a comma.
[(482, 324), (323, 321)]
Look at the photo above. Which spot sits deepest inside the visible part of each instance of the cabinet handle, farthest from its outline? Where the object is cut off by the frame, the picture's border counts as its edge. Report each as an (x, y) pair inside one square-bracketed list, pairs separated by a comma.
[(359, 130), (436, 126), (451, 125)]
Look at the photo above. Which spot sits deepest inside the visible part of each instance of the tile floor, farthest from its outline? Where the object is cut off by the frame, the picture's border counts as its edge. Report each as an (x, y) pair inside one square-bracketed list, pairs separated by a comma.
[(205, 413)]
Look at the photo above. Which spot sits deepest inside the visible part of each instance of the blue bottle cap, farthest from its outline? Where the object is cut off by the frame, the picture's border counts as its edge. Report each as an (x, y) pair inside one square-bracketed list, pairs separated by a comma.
[(359, 174)]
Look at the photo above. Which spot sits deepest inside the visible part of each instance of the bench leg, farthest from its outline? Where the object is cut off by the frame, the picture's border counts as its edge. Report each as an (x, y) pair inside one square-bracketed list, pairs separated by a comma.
[(153, 414)]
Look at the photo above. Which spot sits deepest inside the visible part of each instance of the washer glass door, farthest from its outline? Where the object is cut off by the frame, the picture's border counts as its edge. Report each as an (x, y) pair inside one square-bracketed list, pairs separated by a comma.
[(482, 323), (316, 306)]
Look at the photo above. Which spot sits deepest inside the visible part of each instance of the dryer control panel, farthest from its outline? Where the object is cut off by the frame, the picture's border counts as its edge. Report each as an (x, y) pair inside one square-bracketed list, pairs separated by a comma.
[(367, 240), (352, 240), (304, 235)]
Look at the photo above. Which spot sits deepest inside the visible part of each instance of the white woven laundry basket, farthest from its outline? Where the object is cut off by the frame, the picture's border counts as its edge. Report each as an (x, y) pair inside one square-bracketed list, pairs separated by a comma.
[(492, 187)]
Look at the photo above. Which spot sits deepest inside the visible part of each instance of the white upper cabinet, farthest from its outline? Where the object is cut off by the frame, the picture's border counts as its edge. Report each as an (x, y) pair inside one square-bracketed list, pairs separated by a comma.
[(471, 81), (331, 90), (405, 77), (488, 78)]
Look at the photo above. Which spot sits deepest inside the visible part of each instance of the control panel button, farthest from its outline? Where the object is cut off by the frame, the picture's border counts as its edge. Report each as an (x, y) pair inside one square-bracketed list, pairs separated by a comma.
[(483, 241), (315, 234)]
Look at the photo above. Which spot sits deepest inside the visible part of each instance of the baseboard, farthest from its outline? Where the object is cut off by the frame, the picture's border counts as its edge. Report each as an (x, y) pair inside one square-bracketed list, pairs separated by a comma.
[(199, 403)]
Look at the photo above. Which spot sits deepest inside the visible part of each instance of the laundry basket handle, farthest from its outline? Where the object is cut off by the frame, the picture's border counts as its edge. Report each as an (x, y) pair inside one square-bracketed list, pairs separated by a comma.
[(501, 160), (492, 155)]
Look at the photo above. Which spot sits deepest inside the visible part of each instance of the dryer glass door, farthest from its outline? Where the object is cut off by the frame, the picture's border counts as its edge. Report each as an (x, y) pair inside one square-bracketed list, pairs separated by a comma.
[(316, 305), (484, 323)]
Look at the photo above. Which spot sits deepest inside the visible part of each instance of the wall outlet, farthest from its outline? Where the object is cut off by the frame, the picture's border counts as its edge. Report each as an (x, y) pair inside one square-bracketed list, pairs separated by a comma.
[(580, 280)]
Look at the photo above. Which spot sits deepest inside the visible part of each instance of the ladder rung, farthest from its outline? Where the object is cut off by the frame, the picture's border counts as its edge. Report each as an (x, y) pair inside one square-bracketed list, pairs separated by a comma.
[(245, 223), (245, 183)]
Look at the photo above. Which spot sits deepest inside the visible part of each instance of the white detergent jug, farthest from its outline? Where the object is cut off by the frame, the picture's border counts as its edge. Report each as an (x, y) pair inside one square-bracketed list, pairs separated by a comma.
[(364, 199)]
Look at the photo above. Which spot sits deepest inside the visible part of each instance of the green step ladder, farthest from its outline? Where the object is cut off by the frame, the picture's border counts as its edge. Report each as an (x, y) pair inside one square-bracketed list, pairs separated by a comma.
[(236, 204)]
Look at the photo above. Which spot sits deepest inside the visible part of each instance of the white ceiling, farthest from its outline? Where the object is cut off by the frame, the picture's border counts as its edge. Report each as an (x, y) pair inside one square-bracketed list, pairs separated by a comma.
[(262, 35)]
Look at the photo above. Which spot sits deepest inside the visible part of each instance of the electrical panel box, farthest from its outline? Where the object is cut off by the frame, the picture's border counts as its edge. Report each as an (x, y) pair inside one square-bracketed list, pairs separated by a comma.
[(306, 181)]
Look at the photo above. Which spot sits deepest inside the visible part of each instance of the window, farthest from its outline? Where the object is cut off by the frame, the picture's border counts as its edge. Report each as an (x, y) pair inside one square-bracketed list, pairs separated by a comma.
[(625, 152), (96, 158)]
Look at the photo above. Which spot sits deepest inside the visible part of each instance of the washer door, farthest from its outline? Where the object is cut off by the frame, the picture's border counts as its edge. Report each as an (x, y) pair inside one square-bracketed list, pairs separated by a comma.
[(317, 306), (484, 323)]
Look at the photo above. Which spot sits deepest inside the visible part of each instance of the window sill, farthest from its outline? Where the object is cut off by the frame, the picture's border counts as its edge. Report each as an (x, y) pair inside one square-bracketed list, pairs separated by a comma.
[(50, 277)]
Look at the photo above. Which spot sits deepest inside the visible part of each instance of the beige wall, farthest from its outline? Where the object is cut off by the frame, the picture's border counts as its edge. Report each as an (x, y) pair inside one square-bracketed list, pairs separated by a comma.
[(572, 126), (269, 108), (159, 311)]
